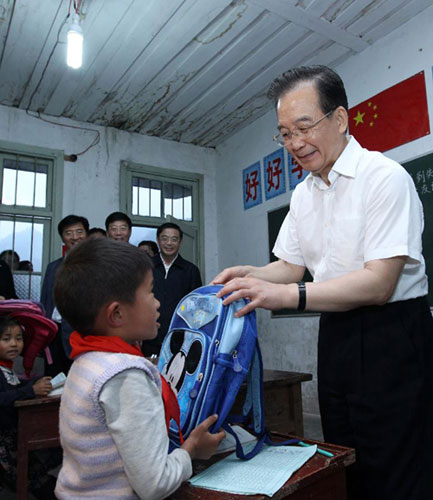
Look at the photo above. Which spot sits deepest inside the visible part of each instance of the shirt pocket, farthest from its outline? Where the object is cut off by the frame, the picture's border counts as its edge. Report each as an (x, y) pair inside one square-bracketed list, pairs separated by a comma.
[(347, 243)]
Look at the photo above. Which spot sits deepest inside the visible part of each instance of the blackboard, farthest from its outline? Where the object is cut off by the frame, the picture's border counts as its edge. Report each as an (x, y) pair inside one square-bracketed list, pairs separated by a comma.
[(275, 221), (421, 171)]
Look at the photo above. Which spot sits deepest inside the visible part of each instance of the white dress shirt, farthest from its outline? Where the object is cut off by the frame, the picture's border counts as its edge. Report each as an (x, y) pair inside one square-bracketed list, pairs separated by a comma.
[(370, 211)]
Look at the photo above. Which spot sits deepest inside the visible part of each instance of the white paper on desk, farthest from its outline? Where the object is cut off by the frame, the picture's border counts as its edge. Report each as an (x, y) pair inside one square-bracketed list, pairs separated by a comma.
[(229, 442), (56, 392), (57, 383), (264, 474)]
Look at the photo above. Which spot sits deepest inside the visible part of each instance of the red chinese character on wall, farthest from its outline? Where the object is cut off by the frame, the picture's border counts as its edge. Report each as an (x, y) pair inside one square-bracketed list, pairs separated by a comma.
[(274, 171), (251, 185), (296, 173), (297, 169)]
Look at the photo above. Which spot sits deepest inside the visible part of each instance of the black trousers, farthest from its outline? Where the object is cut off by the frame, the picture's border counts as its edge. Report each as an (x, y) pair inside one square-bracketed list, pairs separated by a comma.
[(375, 377)]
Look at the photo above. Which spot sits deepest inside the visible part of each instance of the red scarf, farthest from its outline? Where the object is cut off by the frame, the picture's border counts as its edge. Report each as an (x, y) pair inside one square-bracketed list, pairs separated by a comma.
[(7, 364), (87, 343)]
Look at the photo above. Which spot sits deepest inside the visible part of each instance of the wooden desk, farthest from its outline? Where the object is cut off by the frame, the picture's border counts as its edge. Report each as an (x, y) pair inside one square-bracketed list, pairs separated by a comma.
[(320, 478), (38, 427), (38, 419), (282, 400)]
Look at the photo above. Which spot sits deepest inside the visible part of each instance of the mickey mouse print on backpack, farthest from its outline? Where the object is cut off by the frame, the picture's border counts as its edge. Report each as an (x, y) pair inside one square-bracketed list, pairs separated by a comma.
[(206, 356)]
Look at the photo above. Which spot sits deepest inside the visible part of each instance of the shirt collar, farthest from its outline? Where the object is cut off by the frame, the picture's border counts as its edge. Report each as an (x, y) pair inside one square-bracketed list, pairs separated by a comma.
[(171, 263), (346, 164)]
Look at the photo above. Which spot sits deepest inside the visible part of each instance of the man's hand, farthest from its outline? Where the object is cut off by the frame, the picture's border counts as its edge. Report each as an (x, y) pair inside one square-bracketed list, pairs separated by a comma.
[(261, 294), (42, 386), (229, 273), (201, 443)]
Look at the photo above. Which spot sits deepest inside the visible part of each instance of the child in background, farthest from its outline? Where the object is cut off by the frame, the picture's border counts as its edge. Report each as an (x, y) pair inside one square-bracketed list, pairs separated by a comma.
[(11, 390), (112, 419)]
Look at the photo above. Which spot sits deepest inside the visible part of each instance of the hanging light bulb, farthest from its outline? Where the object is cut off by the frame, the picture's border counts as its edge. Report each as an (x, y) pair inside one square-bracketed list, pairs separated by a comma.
[(74, 54)]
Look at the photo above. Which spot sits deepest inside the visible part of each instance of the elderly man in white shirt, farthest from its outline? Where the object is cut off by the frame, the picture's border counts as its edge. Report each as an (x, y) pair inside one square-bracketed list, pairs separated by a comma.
[(355, 223)]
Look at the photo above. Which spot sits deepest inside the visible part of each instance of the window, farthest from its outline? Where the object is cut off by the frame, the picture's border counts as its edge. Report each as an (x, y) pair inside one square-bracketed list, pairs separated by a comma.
[(158, 199), (27, 208), (152, 196)]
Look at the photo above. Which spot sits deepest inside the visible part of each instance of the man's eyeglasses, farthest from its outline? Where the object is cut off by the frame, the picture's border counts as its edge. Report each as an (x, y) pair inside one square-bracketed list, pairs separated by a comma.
[(120, 229), (69, 233), (305, 132), (166, 239)]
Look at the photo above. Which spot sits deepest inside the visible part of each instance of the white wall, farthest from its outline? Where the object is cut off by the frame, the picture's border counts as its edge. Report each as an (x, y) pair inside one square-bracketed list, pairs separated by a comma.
[(290, 343), (91, 185)]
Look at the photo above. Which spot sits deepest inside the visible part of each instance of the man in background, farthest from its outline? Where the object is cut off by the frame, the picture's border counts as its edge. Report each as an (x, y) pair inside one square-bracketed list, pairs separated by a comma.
[(174, 277), (118, 226), (148, 246), (72, 229)]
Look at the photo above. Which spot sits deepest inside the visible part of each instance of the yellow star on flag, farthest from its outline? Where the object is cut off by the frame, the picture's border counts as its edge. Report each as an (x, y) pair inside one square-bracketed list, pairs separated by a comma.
[(359, 118)]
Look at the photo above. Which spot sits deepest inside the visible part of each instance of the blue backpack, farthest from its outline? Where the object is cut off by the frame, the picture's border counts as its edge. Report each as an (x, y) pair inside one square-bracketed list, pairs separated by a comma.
[(206, 356)]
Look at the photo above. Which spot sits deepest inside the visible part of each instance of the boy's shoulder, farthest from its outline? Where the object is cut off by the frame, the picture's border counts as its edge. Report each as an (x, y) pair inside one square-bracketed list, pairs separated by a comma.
[(101, 366)]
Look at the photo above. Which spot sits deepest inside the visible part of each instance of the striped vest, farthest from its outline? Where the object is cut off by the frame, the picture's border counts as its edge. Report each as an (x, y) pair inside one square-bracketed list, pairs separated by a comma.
[(90, 458)]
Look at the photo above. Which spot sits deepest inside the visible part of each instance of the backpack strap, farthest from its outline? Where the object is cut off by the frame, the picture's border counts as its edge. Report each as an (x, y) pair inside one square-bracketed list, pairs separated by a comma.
[(261, 440), (253, 412), (239, 449), (253, 405)]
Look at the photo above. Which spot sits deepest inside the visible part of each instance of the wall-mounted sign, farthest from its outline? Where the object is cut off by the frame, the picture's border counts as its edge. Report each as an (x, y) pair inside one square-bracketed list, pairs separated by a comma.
[(273, 174), (296, 173), (252, 186)]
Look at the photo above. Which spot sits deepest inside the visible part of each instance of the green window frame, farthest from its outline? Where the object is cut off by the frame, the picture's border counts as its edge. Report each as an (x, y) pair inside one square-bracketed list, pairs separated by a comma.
[(151, 196), (31, 188)]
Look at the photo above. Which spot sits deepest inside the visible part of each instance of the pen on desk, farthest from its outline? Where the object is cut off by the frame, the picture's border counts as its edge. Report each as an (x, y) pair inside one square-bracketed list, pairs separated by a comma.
[(319, 450)]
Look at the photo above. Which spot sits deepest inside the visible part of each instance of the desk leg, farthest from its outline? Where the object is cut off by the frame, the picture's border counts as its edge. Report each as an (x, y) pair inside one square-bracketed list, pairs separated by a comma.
[(283, 409), (22, 466), (295, 405)]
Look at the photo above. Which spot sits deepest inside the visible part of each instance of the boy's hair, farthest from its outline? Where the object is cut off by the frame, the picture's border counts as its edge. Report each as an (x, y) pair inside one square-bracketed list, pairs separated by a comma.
[(96, 272), (117, 216), (169, 225), (6, 322), (70, 220)]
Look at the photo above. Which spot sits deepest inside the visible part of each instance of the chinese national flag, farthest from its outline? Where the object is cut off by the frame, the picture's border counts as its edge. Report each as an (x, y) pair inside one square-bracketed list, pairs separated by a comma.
[(393, 117)]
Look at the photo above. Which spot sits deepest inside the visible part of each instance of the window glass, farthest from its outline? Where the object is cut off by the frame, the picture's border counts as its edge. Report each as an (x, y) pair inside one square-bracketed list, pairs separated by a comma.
[(156, 199), (25, 238), (140, 233), (24, 183), (27, 285), (26, 214), (146, 197), (6, 235)]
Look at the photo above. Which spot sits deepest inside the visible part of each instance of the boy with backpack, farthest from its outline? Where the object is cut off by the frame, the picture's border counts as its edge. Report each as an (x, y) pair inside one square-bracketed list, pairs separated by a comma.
[(113, 426)]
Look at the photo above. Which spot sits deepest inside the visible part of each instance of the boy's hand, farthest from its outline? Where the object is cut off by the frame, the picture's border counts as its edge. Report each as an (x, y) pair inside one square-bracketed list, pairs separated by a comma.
[(42, 386), (201, 443)]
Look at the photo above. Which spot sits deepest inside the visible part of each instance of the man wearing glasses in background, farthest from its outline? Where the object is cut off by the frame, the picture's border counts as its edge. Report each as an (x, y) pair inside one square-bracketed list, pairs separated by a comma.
[(355, 223), (173, 276), (72, 230), (118, 226)]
